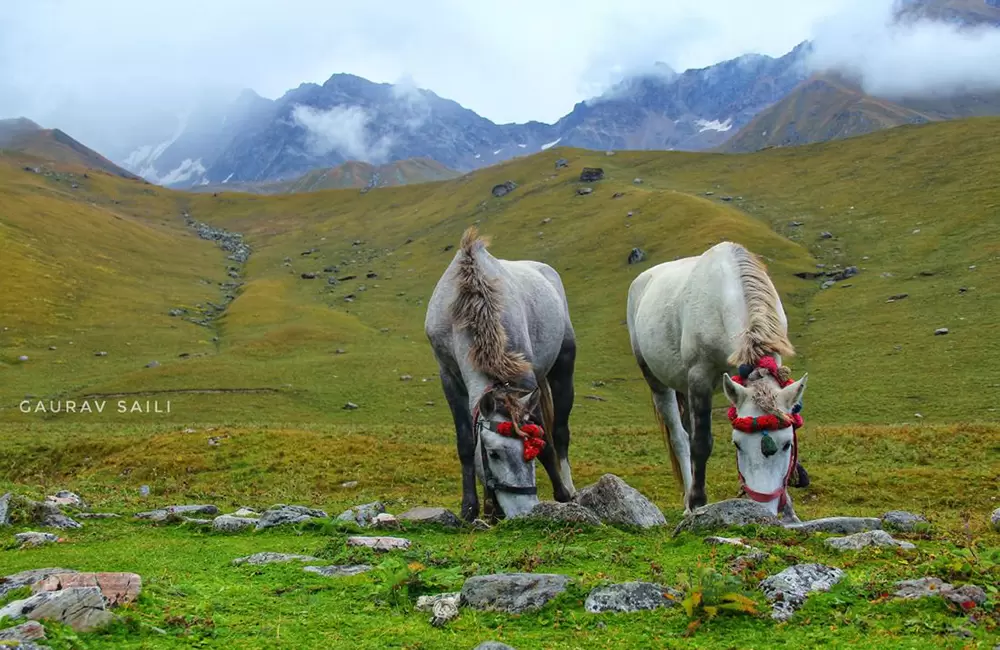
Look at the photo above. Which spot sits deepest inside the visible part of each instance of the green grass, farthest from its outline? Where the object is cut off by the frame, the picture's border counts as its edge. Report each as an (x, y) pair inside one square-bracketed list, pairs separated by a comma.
[(102, 265)]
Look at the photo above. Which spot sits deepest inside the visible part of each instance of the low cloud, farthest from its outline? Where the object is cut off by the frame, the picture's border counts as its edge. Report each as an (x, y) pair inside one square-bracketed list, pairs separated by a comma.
[(341, 129), (412, 103), (909, 59)]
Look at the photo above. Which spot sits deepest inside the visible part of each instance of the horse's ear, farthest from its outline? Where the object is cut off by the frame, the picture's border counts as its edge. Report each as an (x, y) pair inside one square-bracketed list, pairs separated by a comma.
[(792, 394), (734, 392), (526, 401), (487, 405)]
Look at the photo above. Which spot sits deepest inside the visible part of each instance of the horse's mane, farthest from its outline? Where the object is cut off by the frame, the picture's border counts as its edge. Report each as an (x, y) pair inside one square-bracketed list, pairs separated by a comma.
[(765, 334), (477, 308)]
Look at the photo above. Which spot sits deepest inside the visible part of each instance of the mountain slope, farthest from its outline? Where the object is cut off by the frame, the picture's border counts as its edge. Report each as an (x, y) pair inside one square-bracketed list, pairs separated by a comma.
[(962, 12), (52, 145), (827, 107)]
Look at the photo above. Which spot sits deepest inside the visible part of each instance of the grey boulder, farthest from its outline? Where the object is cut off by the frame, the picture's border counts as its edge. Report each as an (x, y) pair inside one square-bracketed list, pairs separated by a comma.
[(902, 520), (82, 608), (379, 543), (29, 539), (27, 578), (493, 645), (616, 502), (338, 571), (65, 498), (48, 515), (628, 597), (233, 524), (21, 636), (426, 603), (267, 557), (789, 589), (5, 509), (362, 515), (727, 514), (427, 515), (858, 541), (966, 596), (512, 592), (569, 513), (838, 525), (281, 515)]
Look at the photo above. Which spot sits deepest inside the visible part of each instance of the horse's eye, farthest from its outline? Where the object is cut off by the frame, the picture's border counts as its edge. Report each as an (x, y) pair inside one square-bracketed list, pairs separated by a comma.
[(787, 446), (493, 455)]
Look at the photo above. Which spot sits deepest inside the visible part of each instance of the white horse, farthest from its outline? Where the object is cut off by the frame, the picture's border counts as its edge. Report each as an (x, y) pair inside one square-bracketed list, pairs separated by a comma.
[(503, 339), (689, 322)]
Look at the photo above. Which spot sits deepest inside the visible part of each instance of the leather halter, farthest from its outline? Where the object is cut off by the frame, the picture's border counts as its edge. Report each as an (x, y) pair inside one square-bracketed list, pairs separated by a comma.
[(489, 479)]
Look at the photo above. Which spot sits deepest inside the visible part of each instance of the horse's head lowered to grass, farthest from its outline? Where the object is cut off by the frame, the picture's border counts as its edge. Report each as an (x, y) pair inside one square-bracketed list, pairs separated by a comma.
[(765, 417), (507, 444)]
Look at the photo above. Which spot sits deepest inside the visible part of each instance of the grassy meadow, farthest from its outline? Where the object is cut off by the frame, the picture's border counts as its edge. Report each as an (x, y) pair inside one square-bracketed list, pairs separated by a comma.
[(896, 417)]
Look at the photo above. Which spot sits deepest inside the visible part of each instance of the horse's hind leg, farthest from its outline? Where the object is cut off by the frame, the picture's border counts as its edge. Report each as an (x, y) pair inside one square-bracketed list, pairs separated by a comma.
[(700, 406), (458, 401), (560, 380)]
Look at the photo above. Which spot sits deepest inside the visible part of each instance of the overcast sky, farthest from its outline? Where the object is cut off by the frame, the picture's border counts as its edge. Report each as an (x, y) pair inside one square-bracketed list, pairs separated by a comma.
[(90, 67)]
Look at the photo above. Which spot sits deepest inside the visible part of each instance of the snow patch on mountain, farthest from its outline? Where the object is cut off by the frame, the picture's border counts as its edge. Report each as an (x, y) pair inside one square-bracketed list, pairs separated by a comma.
[(187, 171), (549, 145), (714, 125)]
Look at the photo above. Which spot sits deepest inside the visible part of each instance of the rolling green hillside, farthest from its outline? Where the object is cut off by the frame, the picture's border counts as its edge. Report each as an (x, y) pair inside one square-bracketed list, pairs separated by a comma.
[(102, 266), (827, 107)]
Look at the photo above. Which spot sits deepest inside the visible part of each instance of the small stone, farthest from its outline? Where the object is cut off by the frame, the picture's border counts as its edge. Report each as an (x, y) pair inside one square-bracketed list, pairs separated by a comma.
[(48, 515), (231, 524), (444, 610), (362, 515), (994, 520), (97, 515), (582, 191), (5, 509), (630, 597), (789, 589), (727, 514), (380, 543), (966, 596), (616, 502), (897, 297), (308, 276), (267, 557), (493, 645), (338, 571), (562, 162), (406, 378), (727, 541), (280, 515), (100, 354), (751, 560), (629, 214), (941, 331), (347, 485), (637, 181), (384, 520), (826, 235), (479, 524), (827, 284), (427, 515), (902, 520), (246, 512), (116, 588), (858, 541), (513, 593), (921, 588), (32, 539), (636, 255), (81, 608), (351, 406), (153, 364), (22, 358), (26, 579), (838, 525), (570, 513), (23, 635)]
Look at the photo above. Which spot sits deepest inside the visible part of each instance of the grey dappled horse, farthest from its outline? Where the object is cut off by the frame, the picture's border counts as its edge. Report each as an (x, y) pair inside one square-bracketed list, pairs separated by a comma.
[(502, 336), (689, 322)]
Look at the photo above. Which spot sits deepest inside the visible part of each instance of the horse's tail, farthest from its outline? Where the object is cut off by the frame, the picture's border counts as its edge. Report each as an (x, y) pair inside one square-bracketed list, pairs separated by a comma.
[(548, 415), (478, 308), (765, 334), (675, 463)]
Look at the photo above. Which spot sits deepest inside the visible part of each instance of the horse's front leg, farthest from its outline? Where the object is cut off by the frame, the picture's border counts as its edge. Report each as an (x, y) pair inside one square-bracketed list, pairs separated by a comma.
[(700, 406), (458, 401)]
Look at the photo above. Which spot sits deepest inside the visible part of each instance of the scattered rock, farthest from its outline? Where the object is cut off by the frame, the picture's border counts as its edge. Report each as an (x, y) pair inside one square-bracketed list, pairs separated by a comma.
[(426, 603), (27, 578), (637, 181), (280, 515), (22, 635), (513, 593), (898, 296), (479, 524), (116, 588), (838, 525), (362, 515), (727, 199), (902, 520), (351, 406), (827, 284), (384, 520), (749, 561), (629, 597), (858, 541), (65, 498), (595, 398), (503, 188), (727, 541), (380, 543), (848, 272), (629, 214), (100, 354), (338, 571), (726, 514), (349, 484), (570, 513), (267, 557), (795, 224), (826, 235), (493, 645), (636, 255), (617, 195), (308, 276), (994, 519), (22, 358), (406, 378), (48, 515), (562, 162), (584, 190), (5, 509), (426, 515), (97, 515), (232, 524), (616, 502), (941, 331), (246, 512), (32, 539), (967, 596), (81, 608), (591, 174), (444, 610), (789, 589), (153, 364)]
